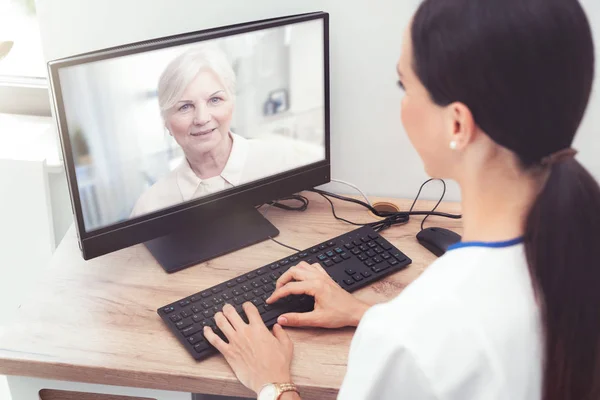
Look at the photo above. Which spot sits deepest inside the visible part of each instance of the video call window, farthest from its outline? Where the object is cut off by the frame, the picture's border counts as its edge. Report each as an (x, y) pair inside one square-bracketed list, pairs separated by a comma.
[(156, 129)]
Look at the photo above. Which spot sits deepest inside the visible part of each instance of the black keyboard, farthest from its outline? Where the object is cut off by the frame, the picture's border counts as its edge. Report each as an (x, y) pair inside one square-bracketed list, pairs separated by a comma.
[(353, 260)]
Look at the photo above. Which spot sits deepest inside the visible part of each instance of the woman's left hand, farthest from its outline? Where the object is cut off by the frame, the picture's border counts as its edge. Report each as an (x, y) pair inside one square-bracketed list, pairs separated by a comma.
[(256, 356)]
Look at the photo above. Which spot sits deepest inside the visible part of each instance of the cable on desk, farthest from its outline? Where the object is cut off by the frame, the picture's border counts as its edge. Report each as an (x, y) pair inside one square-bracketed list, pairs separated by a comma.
[(355, 187), (389, 218), (277, 204)]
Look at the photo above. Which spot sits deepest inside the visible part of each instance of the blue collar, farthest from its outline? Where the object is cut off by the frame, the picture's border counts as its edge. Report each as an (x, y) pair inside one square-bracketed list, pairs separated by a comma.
[(496, 245)]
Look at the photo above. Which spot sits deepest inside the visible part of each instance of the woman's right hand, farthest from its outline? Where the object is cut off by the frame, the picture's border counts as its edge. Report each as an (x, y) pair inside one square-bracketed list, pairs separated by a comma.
[(334, 307)]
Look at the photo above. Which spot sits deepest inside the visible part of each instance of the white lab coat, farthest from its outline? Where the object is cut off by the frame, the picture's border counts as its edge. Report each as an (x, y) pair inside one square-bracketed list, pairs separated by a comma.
[(249, 160), (467, 329)]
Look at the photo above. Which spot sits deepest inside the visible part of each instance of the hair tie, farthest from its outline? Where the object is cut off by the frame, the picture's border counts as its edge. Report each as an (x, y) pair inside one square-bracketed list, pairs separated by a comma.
[(558, 157)]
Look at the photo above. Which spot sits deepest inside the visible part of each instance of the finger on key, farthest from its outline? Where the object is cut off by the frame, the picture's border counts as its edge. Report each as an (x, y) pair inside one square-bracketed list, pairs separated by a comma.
[(296, 273), (224, 325), (233, 317), (305, 287), (215, 340), (252, 314)]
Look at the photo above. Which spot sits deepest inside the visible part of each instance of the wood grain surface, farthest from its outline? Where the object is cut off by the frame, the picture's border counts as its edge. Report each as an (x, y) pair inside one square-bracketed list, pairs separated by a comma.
[(95, 321)]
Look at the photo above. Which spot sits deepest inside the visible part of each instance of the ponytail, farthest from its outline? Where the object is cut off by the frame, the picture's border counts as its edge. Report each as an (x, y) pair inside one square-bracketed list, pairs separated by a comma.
[(562, 244)]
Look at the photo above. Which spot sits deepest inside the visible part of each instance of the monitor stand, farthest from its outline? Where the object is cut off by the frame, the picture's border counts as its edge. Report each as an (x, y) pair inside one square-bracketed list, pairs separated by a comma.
[(233, 231)]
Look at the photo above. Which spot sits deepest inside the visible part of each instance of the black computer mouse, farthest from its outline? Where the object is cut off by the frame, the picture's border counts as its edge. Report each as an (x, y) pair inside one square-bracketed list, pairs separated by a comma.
[(437, 240)]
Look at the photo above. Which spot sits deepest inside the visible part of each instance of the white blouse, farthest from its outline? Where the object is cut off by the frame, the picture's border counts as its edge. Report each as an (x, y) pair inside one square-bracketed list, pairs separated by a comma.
[(467, 329), (249, 160)]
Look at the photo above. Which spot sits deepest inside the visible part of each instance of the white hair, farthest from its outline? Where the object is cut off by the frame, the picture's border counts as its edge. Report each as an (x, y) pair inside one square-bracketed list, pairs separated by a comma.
[(183, 69)]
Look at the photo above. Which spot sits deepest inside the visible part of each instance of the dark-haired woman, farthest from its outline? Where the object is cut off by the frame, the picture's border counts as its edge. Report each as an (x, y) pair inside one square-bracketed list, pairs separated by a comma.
[(495, 91)]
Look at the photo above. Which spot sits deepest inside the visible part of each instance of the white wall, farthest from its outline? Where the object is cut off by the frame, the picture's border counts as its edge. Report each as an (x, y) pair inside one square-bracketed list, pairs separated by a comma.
[(369, 146)]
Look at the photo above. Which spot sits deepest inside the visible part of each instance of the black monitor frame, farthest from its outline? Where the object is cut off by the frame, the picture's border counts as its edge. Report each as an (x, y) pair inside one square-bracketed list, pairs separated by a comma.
[(199, 211)]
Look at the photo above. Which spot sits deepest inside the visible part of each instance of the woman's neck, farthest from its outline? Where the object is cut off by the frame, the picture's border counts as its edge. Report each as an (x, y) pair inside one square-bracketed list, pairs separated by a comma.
[(212, 163), (496, 201)]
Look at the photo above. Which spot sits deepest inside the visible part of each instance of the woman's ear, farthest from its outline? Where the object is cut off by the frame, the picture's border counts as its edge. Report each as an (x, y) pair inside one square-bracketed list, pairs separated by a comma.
[(461, 126)]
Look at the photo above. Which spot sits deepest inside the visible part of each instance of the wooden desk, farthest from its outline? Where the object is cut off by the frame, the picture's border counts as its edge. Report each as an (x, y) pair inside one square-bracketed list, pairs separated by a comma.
[(96, 321)]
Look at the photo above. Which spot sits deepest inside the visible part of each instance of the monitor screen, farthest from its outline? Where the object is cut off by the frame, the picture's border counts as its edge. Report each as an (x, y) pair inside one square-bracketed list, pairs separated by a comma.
[(159, 128)]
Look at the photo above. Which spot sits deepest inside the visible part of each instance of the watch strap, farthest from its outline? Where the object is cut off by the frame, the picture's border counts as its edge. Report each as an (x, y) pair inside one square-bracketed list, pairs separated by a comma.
[(285, 387)]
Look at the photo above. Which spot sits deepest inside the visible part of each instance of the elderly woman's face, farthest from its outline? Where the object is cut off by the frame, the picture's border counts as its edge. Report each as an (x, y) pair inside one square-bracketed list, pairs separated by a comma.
[(201, 119)]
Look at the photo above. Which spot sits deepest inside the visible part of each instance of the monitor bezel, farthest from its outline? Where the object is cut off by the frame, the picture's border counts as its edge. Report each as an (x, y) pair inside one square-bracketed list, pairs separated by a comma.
[(123, 234)]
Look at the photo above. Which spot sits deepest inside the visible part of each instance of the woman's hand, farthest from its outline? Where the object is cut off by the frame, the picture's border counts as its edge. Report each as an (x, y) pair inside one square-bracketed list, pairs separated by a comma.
[(334, 307), (256, 356)]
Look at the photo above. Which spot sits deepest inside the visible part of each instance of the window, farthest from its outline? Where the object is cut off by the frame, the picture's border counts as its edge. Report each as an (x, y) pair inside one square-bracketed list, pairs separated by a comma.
[(23, 83)]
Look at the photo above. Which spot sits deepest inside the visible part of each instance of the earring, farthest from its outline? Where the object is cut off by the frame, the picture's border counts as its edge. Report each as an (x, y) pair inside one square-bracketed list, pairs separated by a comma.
[(453, 145)]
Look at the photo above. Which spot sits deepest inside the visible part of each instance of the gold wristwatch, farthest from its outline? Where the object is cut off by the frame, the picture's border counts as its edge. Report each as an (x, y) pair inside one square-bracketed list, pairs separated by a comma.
[(272, 391)]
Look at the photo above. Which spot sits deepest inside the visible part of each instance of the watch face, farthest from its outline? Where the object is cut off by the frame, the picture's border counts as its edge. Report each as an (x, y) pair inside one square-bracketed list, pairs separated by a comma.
[(269, 392)]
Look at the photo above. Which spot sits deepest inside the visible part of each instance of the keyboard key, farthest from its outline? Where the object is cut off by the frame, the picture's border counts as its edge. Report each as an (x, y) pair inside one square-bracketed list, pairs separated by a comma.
[(261, 271), (365, 239), (328, 263), (337, 259), (356, 251), (330, 253), (185, 314), (251, 275), (345, 256), (363, 247), (338, 250), (264, 280), (246, 288), (366, 274), (399, 256), (303, 255), (384, 244), (231, 284), (226, 296), (357, 242), (208, 313), (249, 296), (322, 247), (196, 310), (257, 302), (370, 253), (358, 277), (269, 288), (373, 236), (197, 318), (184, 324), (349, 246), (369, 263), (284, 262), (168, 310), (378, 250), (261, 310), (236, 292), (200, 347), (239, 300), (314, 250), (205, 294), (350, 271), (385, 255), (380, 267), (274, 277), (195, 298), (362, 257), (331, 243), (197, 338), (241, 279), (206, 304), (219, 302), (392, 261), (258, 292), (349, 282), (190, 330), (294, 258), (322, 257), (377, 259), (216, 290), (255, 284), (372, 245), (184, 303), (310, 260), (175, 318)]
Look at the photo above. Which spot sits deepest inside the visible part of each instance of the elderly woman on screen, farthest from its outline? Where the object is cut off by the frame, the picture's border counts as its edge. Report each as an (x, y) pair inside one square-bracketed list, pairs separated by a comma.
[(196, 95)]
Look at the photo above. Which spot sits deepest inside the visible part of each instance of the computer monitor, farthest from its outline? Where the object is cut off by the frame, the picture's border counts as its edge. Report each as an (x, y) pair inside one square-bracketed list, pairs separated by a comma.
[(174, 141)]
